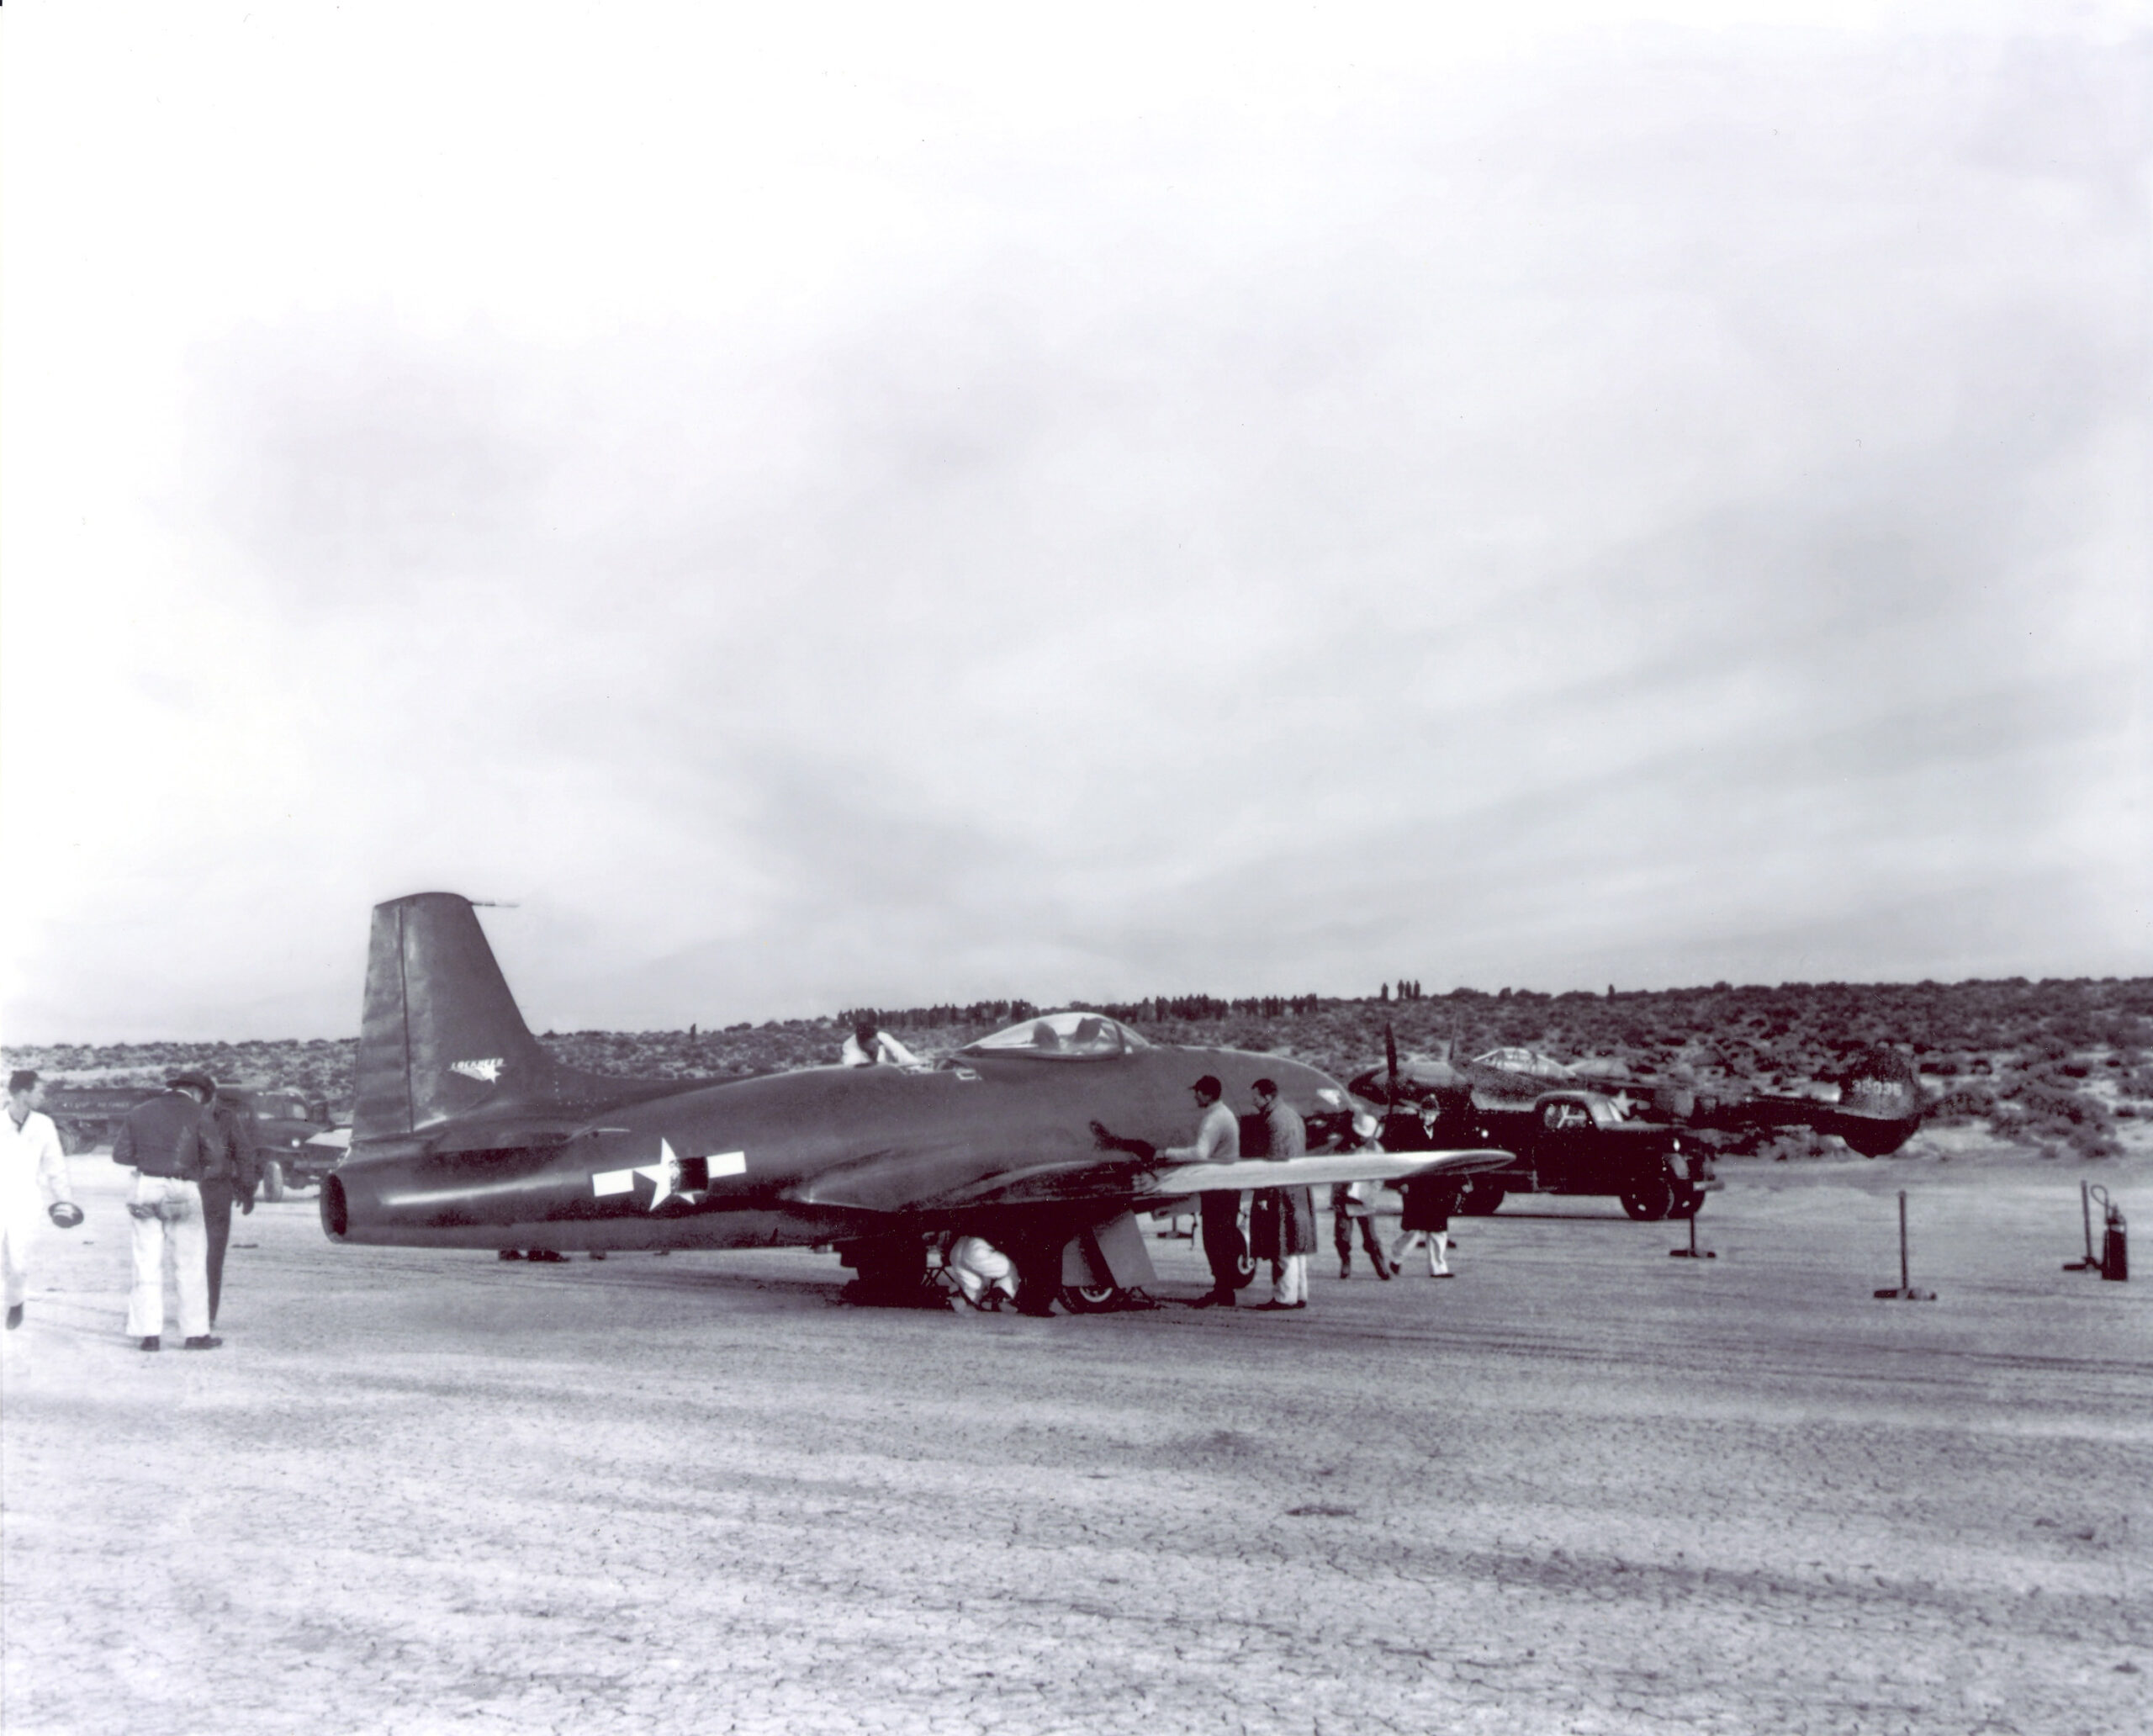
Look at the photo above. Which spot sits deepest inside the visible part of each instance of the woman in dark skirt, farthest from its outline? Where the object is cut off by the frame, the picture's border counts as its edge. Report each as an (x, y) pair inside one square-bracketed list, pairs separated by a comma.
[(1429, 1202)]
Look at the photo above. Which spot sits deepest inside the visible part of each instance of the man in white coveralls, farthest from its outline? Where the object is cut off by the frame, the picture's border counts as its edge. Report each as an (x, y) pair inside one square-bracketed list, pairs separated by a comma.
[(32, 1179)]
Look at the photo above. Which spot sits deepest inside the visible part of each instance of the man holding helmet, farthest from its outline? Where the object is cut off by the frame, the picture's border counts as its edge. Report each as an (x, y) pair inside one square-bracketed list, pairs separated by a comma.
[(32, 1162)]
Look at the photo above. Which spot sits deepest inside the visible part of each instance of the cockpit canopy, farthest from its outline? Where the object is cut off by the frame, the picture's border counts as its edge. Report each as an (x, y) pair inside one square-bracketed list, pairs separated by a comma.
[(1530, 1061), (1061, 1037)]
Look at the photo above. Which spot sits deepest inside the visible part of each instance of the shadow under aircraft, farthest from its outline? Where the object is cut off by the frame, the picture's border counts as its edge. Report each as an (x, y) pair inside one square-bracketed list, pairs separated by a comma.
[(1046, 1139)]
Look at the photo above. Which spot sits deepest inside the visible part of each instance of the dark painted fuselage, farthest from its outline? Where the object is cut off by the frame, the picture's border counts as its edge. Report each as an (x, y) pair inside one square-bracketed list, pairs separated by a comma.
[(988, 1144)]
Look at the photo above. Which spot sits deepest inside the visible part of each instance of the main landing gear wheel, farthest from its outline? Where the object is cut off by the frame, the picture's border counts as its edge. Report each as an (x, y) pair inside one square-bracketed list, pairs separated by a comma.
[(1093, 1298), (1244, 1267), (1481, 1198), (892, 1273), (1039, 1277), (1649, 1201)]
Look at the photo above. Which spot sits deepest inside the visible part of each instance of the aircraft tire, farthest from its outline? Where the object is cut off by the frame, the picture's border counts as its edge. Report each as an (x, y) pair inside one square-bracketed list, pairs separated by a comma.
[(1093, 1298), (1480, 1199), (1244, 1267), (1038, 1275), (272, 1181), (890, 1271)]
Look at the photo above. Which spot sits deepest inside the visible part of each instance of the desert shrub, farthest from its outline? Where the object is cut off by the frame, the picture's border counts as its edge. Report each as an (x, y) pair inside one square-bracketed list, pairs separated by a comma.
[(2049, 1099), (2044, 1102), (2087, 1140), (1961, 1104), (1800, 1143)]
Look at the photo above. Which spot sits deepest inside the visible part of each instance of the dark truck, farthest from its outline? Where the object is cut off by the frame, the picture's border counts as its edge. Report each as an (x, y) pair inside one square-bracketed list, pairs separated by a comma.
[(1566, 1135), (284, 1122), (1600, 1128)]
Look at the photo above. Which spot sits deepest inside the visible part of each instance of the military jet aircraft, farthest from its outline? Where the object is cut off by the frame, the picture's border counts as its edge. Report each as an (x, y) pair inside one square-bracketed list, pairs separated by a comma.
[(1044, 1138)]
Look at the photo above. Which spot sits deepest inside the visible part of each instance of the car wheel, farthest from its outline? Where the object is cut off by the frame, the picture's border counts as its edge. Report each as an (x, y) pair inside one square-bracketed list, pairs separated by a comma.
[(1091, 1298), (1687, 1205), (272, 1181), (1649, 1201), (1481, 1198)]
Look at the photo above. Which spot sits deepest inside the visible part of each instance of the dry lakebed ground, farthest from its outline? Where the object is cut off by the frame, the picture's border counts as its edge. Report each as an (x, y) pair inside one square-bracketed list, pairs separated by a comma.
[(1581, 1487)]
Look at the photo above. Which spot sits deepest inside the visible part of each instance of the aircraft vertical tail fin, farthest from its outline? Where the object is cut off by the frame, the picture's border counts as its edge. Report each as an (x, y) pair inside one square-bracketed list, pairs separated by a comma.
[(441, 1033)]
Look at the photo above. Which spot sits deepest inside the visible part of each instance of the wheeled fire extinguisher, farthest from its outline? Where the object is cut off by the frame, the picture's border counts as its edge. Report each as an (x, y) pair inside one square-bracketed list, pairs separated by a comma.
[(2115, 1240)]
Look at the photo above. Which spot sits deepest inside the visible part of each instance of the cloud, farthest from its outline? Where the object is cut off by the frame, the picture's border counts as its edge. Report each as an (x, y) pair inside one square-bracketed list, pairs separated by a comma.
[(1660, 502)]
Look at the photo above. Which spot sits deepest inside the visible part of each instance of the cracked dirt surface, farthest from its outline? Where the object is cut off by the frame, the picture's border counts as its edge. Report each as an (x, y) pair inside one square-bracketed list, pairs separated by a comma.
[(1581, 1488)]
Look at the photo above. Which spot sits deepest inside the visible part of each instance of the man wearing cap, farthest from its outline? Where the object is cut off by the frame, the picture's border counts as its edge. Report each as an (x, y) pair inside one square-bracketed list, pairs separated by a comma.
[(161, 1141), (1218, 1140), (32, 1162)]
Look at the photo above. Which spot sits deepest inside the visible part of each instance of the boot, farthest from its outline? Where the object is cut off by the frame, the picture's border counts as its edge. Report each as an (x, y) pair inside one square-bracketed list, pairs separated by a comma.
[(1346, 1266)]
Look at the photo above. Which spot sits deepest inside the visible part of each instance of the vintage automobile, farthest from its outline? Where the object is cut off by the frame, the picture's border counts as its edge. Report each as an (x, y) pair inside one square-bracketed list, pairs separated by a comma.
[(1603, 1127), (285, 1127), (1567, 1135)]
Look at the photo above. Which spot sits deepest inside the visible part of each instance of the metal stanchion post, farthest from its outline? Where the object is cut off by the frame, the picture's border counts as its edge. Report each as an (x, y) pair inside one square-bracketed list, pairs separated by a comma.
[(1905, 1291), (1693, 1251), (2086, 1211)]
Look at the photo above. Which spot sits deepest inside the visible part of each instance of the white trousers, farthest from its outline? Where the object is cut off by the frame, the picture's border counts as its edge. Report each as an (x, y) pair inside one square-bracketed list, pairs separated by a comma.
[(175, 1226), (19, 1220), (1438, 1241), (1290, 1279), (979, 1266)]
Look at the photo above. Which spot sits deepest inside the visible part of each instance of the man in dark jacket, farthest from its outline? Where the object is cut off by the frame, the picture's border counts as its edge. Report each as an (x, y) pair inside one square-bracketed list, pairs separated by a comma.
[(1283, 1220), (231, 1167), (161, 1141)]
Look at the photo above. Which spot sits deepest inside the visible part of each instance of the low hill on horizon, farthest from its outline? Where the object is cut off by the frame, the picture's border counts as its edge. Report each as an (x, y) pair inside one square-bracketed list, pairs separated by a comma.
[(2056, 1064)]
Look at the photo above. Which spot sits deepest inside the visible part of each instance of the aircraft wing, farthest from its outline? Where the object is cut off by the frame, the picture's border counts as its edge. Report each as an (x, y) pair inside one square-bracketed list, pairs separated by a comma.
[(871, 1186), (1178, 1180)]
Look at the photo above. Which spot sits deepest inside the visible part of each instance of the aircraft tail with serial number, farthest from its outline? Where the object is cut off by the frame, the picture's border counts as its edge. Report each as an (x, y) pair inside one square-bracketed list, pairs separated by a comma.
[(442, 1039), (441, 1034)]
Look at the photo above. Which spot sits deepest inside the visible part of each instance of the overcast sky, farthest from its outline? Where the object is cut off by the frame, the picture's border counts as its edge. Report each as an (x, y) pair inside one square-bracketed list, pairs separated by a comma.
[(823, 505)]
